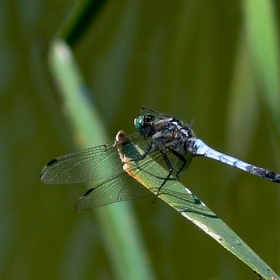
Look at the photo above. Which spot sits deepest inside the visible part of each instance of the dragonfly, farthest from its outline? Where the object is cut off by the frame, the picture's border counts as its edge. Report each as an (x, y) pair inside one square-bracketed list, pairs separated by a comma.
[(163, 140)]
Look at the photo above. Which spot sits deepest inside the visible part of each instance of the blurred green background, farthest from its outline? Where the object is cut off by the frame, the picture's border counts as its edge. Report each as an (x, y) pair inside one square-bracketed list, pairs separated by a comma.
[(214, 62)]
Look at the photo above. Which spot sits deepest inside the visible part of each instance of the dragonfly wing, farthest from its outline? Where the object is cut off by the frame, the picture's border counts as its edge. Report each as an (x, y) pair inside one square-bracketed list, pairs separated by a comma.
[(178, 160), (120, 188), (91, 164)]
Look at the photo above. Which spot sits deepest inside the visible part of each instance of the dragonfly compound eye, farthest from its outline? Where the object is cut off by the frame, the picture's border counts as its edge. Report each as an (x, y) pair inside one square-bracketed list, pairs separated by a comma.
[(139, 123), (144, 124)]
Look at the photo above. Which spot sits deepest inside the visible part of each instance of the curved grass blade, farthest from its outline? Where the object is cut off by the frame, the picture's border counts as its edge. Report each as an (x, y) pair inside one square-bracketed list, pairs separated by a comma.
[(134, 264), (151, 174)]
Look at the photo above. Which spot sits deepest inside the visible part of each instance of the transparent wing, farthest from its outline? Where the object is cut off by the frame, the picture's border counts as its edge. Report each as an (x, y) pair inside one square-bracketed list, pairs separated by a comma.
[(157, 115), (145, 111), (98, 163), (91, 164), (103, 164), (179, 160), (124, 187), (120, 188)]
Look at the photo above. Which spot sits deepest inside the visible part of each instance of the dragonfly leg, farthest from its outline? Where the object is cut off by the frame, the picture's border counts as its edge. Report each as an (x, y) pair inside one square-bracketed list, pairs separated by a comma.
[(154, 147), (184, 162), (169, 165)]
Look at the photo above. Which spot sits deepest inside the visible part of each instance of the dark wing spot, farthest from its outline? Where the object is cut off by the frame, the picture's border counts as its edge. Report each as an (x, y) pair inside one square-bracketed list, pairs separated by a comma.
[(88, 192), (52, 162)]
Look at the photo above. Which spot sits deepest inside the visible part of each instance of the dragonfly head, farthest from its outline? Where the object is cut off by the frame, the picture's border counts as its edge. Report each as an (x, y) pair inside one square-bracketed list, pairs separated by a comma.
[(144, 124)]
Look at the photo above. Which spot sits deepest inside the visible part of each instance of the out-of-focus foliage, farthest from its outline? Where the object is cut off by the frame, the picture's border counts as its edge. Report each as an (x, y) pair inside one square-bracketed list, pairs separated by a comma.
[(196, 60)]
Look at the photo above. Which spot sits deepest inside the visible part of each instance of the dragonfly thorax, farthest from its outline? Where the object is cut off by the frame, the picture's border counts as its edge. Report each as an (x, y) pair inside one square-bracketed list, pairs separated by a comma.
[(172, 133), (165, 131)]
